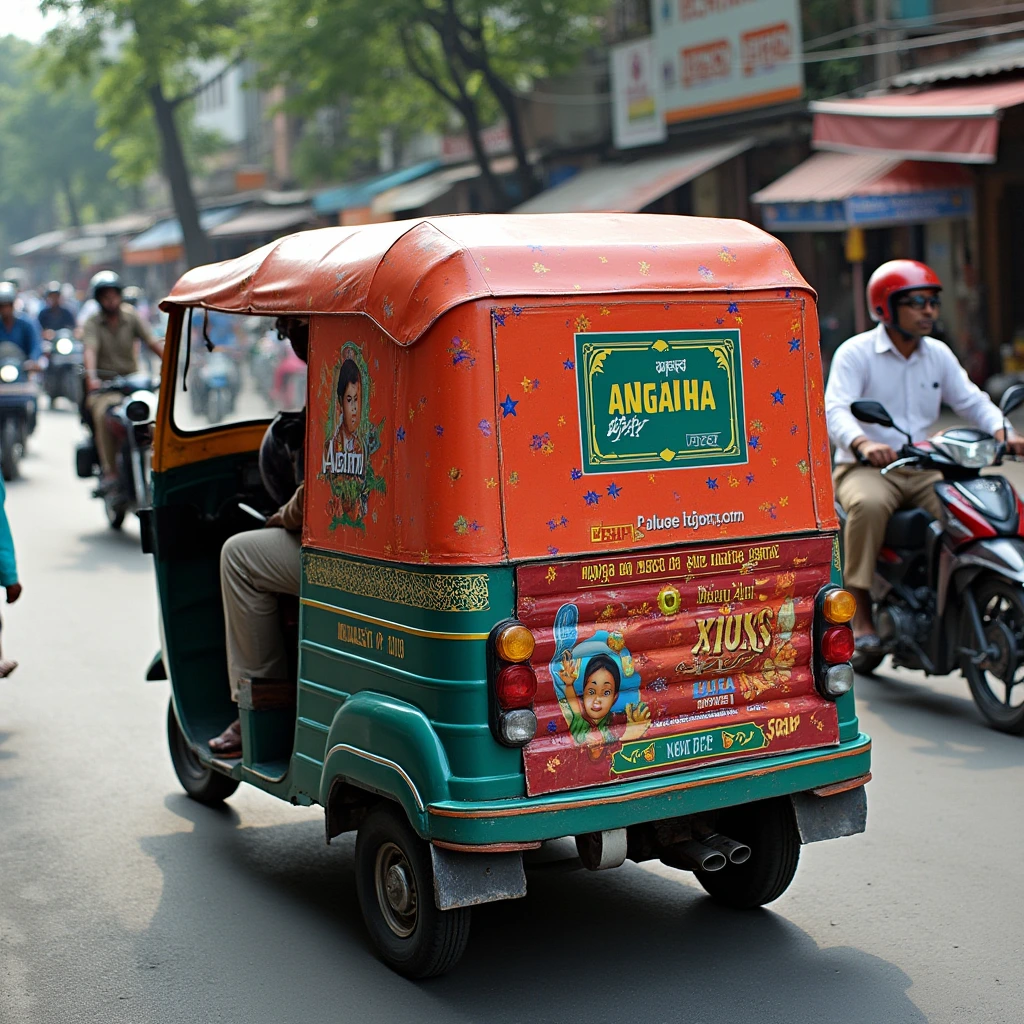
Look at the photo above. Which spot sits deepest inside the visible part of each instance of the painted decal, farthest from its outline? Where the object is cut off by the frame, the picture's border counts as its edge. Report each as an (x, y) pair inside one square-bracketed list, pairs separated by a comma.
[(649, 399)]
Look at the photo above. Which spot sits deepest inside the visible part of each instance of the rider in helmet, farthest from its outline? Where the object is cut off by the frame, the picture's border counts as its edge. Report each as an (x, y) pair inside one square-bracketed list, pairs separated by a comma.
[(15, 328), (110, 337), (257, 565), (54, 316), (911, 374)]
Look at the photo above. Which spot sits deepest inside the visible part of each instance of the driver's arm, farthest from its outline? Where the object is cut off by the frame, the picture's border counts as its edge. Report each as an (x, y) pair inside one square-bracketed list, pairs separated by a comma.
[(144, 333), (289, 516)]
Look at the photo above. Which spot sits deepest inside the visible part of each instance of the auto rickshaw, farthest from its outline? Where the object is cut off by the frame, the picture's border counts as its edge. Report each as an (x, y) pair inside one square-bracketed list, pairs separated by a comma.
[(570, 569)]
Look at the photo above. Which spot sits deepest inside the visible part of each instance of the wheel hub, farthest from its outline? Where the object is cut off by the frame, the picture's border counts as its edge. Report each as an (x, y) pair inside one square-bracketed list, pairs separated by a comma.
[(396, 885), (1002, 663), (396, 890)]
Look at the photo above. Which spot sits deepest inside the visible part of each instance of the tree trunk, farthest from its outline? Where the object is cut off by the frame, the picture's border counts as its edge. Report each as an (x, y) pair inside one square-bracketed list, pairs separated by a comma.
[(197, 245), (507, 99), (69, 196), (475, 133)]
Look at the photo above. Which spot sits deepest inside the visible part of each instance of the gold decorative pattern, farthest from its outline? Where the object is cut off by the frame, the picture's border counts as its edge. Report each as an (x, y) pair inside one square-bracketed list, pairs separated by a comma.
[(432, 591)]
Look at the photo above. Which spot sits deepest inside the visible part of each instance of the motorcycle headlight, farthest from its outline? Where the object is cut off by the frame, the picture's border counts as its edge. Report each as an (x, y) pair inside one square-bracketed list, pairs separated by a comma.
[(9, 373), (137, 410), (973, 454), (65, 346)]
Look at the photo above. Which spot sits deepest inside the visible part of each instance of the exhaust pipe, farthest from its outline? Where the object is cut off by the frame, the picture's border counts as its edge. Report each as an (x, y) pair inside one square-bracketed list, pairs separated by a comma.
[(737, 853), (694, 856)]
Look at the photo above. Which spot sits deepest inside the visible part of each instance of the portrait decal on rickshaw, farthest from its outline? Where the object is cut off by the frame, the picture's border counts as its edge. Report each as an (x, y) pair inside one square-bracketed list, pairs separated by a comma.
[(597, 685), (352, 440)]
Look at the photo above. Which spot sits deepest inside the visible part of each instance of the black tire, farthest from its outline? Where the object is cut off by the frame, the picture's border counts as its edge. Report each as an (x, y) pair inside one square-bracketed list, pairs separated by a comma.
[(1001, 605), (9, 450), (217, 405), (769, 829), (115, 514), (200, 782), (865, 664), (416, 940)]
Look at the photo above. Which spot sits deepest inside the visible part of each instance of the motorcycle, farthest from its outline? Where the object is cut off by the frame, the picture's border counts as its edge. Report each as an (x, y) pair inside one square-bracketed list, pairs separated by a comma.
[(215, 386), (131, 423), (949, 594), (19, 401), (64, 368)]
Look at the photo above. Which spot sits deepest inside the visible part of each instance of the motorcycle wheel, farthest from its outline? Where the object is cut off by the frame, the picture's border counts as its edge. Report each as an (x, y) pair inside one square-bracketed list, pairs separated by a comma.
[(216, 406), (115, 513), (1001, 606), (865, 664), (200, 782), (9, 450)]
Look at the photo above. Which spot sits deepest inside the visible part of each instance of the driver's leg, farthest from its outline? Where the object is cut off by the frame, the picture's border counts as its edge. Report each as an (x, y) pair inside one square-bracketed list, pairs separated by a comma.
[(869, 499), (99, 405)]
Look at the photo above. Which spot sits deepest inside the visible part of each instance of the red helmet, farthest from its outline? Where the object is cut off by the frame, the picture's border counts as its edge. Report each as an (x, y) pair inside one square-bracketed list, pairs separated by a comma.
[(892, 279)]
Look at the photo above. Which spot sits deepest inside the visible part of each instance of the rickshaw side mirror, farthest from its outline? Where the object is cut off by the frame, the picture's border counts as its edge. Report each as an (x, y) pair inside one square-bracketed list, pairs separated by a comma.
[(1013, 397), (871, 412)]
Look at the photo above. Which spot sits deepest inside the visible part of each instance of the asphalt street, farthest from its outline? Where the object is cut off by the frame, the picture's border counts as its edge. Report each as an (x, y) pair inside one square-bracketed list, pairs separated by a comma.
[(122, 901)]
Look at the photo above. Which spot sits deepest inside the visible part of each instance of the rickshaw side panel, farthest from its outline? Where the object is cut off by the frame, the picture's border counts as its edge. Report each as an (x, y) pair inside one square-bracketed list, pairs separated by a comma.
[(416, 480)]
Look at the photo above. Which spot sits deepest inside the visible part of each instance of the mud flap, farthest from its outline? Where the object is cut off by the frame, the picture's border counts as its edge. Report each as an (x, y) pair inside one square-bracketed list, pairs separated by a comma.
[(830, 817), (466, 879)]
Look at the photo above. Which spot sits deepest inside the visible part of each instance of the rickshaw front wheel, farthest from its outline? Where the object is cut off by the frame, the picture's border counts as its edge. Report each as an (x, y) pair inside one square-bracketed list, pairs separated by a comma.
[(198, 780), (769, 829), (395, 886)]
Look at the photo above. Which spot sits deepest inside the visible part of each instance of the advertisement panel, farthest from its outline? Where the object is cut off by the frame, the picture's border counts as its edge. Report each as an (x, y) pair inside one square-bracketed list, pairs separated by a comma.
[(637, 117), (719, 56)]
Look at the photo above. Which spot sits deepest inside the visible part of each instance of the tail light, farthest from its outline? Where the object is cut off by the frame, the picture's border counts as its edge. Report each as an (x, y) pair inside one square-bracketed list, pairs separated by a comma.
[(513, 683), (834, 643)]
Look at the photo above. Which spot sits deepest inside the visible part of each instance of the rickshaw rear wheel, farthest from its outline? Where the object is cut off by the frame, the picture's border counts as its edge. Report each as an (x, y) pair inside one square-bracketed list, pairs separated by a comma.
[(198, 780), (769, 829), (395, 886)]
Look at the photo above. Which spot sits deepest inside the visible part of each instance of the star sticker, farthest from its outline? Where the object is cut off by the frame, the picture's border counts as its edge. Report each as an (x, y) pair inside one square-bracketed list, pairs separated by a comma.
[(439, 430), (755, 362), (733, 308), (526, 382), (614, 490), (591, 498), (569, 364), (778, 398), (755, 442), (794, 344), (508, 407), (499, 318), (552, 525), (576, 473), (712, 483), (551, 574), (401, 433), (750, 478)]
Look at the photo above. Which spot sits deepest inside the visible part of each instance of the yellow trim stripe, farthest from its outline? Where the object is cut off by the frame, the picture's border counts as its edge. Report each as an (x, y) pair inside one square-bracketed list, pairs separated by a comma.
[(431, 634)]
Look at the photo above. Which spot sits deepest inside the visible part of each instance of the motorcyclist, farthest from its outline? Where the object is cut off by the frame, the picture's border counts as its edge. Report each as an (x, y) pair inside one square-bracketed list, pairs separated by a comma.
[(257, 565), (15, 328), (911, 374), (110, 336), (54, 317)]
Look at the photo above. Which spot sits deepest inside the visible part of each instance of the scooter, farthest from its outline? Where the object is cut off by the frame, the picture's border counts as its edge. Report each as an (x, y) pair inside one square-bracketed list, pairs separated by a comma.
[(950, 595), (19, 402), (131, 424), (64, 368)]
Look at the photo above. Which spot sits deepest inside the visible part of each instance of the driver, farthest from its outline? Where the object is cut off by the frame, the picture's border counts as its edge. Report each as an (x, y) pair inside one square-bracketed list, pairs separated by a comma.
[(15, 329), (257, 565), (54, 316), (911, 374), (110, 336)]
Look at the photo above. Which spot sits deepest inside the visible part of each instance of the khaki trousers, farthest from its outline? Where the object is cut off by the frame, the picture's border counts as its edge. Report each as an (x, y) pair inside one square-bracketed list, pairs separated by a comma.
[(106, 448), (869, 499), (254, 567)]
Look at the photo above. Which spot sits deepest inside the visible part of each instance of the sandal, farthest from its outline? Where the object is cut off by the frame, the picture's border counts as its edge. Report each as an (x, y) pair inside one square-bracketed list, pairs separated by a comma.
[(6, 668), (229, 743)]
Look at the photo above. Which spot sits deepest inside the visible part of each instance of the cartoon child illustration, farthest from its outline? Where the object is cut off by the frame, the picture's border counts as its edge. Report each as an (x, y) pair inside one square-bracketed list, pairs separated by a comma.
[(598, 681), (344, 452)]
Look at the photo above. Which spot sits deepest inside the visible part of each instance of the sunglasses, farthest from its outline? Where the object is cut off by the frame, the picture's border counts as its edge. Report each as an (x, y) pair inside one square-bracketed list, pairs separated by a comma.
[(922, 302)]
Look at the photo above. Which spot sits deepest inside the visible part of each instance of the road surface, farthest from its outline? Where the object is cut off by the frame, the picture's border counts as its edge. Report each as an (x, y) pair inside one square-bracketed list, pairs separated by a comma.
[(122, 901)]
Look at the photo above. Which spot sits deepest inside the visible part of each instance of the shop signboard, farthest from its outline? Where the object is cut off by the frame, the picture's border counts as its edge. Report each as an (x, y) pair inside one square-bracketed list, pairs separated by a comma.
[(720, 56), (637, 117)]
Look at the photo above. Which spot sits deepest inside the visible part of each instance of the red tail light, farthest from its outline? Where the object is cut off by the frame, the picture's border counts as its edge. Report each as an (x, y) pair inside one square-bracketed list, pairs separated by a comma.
[(515, 687), (837, 645)]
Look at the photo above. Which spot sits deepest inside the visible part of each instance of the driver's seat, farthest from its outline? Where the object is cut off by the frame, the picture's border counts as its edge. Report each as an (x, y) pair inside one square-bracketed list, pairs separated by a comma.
[(908, 528)]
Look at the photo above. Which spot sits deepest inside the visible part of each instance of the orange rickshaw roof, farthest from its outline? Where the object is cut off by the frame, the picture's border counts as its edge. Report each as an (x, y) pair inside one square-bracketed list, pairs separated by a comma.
[(405, 274)]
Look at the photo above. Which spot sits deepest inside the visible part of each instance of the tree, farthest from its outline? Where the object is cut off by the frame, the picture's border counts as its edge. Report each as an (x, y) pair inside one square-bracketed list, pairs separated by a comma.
[(148, 49), (468, 57)]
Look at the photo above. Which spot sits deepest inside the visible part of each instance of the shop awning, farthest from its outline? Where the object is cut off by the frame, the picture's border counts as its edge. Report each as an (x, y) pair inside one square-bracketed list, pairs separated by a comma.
[(951, 124), (162, 243), (418, 193), (264, 221), (628, 188), (361, 194), (835, 191)]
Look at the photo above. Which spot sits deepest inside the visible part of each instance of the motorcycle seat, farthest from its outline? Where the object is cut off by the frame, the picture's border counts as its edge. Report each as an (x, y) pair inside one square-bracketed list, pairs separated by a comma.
[(908, 528)]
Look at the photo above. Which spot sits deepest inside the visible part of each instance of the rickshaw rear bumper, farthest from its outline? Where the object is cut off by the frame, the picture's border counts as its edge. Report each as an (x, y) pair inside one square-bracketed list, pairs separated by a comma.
[(827, 786)]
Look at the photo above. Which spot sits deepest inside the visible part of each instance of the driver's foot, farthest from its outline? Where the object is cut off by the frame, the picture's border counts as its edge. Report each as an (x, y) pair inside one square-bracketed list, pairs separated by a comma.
[(229, 742)]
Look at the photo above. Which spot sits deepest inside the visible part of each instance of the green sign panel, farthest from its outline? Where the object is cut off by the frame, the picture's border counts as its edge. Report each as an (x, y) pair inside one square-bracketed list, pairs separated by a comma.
[(653, 399), (725, 741)]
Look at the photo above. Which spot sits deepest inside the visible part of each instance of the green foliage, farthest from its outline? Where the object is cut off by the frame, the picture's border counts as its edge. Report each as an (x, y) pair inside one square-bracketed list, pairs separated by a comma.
[(410, 65), (821, 18)]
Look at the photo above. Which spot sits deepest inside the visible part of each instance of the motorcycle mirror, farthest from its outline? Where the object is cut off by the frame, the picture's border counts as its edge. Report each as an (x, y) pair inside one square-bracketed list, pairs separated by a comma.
[(872, 412), (1013, 397)]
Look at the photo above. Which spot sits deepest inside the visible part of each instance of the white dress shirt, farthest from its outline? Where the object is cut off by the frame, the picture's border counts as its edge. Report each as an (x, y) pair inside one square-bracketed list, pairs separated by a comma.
[(912, 390)]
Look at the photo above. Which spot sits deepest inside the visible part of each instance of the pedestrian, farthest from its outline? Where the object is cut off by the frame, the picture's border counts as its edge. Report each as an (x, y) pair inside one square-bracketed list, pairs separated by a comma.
[(8, 572)]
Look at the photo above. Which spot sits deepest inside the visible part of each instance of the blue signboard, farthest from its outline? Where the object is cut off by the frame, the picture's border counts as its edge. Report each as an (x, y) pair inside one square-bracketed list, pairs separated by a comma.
[(870, 211)]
